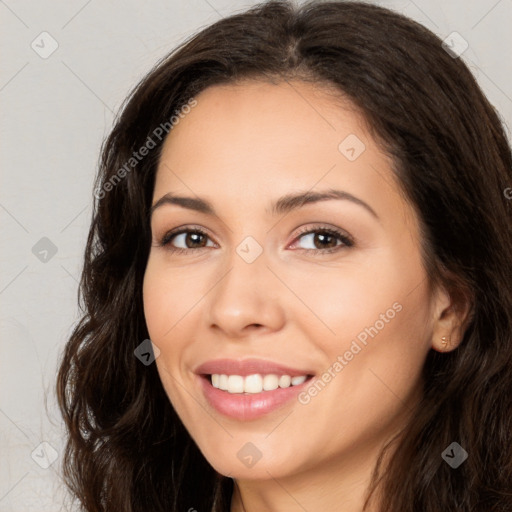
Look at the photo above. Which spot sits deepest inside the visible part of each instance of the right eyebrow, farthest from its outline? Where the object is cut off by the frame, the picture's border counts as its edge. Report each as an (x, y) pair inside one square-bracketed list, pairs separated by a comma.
[(191, 203)]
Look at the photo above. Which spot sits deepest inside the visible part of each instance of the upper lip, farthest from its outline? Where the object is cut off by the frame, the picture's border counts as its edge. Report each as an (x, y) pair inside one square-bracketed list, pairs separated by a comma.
[(247, 367)]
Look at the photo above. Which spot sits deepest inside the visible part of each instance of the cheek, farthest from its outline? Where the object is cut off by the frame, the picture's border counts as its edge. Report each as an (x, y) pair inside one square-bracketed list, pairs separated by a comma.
[(385, 349), (156, 304), (167, 296), (376, 317), (163, 299), (373, 371), (345, 301), (171, 300)]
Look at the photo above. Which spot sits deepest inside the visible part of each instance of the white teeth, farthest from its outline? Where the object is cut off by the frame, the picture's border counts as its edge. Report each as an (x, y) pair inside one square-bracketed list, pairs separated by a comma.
[(285, 381), (270, 382), (255, 383), (235, 384), (223, 382)]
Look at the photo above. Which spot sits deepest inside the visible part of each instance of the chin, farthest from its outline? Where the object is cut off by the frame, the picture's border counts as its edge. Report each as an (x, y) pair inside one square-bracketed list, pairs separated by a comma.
[(252, 460)]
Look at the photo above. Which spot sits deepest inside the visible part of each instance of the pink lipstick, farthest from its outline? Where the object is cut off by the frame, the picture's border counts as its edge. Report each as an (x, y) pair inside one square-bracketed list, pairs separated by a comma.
[(249, 389)]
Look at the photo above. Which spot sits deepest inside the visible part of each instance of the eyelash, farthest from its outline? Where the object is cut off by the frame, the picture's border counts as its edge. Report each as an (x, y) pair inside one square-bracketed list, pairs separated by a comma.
[(346, 240)]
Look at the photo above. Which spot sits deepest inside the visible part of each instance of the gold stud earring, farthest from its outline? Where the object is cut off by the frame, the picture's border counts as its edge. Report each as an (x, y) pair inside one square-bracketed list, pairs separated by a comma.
[(444, 341)]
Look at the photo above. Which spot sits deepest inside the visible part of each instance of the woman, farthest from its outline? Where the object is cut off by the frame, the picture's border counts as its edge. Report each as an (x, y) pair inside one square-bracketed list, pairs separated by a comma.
[(303, 209)]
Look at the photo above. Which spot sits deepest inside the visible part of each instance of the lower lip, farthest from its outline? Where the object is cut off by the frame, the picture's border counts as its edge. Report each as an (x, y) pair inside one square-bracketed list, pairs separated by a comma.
[(246, 407)]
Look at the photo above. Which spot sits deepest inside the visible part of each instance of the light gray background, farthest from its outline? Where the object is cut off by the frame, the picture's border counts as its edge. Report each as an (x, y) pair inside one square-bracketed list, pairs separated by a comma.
[(55, 113)]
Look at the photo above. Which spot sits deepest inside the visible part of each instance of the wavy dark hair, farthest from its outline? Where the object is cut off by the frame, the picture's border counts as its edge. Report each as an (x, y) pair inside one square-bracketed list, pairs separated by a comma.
[(126, 449)]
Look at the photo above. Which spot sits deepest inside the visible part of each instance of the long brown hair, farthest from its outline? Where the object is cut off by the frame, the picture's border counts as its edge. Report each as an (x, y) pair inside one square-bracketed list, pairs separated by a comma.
[(127, 450)]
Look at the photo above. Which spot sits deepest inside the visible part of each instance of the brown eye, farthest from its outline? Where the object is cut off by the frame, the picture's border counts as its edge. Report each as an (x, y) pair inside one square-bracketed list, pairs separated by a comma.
[(185, 239), (193, 239), (323, 240)]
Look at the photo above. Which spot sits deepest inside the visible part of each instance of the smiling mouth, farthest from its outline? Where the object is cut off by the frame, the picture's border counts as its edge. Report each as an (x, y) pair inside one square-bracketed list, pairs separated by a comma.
[(254, 383), (253, 395)]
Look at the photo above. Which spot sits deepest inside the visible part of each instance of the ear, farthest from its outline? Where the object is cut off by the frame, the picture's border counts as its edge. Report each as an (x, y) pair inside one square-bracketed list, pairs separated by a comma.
[(452, 311)]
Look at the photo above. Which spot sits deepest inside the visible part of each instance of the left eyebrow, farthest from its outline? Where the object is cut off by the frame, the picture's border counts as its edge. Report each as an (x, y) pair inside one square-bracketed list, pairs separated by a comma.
[(281, 206), (291, 202)]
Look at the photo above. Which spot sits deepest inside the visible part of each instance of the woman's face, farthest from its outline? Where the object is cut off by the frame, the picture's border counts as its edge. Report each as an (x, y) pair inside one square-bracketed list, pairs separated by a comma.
[(271, 281)]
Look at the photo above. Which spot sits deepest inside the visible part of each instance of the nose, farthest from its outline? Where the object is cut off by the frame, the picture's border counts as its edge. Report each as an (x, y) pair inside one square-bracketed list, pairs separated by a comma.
[(247, 297)]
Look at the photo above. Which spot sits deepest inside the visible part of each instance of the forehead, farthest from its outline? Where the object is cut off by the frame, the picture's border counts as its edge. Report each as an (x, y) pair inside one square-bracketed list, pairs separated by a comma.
[(256, 140), (260, 126), (297, 118)]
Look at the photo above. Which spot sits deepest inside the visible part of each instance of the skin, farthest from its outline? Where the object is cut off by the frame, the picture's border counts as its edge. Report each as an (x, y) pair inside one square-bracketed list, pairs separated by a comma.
[(242, 147)]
